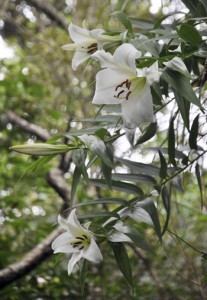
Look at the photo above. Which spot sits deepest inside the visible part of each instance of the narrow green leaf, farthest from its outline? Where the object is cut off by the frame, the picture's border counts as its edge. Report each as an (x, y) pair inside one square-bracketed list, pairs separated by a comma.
[(75, 182), (178, 154), (122, 17), (184, 108), (122, 260), (82, 275), (166, 203), (194, 133), (150, 207), (163, 165), (140, 167), (134, 177), (119, 186), (79, 157), (181, 84), (149, 132), (191, 5), (35, 166), (99, 215), (107, 173), (171, 143), (139, 240), (198, 176), (190, 34), (118, 201)]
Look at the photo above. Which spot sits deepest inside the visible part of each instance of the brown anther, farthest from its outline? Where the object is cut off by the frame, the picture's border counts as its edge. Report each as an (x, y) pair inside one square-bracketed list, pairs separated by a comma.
[(127, 95)]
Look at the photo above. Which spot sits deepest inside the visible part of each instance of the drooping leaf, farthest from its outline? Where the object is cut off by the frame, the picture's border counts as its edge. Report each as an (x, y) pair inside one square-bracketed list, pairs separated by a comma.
[(140, 167), (166, 203), (184, 108), (119, 186), (75, 182), (149, 206), (194, 133), (171, 143), (82, 275), (122, 260), (181, 85), (163, 165), (107, 173), (139, 240), (149, 132), (118, 201), (134, 177), (79, 157), (122, 17), (198, 176), (190, 34), (191, 4)]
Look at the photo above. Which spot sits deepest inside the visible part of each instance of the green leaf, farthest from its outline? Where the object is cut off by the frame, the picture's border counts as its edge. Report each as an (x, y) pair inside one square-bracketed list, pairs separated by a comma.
[(190, 34), (122, 17), (171, 142), (35, 166), (191, 4), (140, 167), (134, 177), (166, 203), (122, 260), (180, 84), (82, 275), (163, 165), (149, 132), (107, 173), (119, 186), (184, 108), (139, 240), (198, 176), (75, 182), (79, 157), (119, 201), (194, 133), (151, 209), (99, 215)]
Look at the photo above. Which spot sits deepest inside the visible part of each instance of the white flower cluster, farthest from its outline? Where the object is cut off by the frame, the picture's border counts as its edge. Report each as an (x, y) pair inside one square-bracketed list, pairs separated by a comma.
[(120, 82)]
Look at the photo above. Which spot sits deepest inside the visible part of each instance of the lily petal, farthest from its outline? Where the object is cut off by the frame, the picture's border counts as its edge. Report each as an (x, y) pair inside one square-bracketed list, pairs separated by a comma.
[(126, 55), (138, 109), (106, 82), (61, 240), (78, 34), (93, 253), (73, 260), (78, 58)]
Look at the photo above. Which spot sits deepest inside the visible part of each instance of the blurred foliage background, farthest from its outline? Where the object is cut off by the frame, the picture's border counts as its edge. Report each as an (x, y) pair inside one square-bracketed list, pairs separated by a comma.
[(38, 85)]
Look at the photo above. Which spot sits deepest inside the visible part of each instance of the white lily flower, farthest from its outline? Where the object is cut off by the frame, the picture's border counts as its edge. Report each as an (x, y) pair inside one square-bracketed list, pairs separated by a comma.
[(77, 240), (86, 42), (122, 83)]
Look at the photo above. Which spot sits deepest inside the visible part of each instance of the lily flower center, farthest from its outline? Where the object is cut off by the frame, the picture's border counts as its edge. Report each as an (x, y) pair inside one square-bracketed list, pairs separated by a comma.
[(123, 90), (81, 242), (92, 48)]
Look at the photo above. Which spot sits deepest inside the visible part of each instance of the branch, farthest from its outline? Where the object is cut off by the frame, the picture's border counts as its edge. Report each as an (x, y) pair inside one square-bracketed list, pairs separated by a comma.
[(31, 128), (55, 178), (50, 11), (30, 261)]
